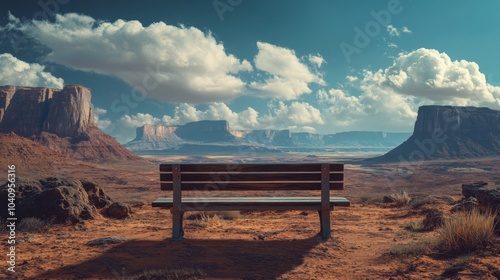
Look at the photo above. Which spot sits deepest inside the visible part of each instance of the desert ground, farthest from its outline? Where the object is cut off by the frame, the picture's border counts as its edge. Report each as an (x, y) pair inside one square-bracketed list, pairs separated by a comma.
[(371, 239)]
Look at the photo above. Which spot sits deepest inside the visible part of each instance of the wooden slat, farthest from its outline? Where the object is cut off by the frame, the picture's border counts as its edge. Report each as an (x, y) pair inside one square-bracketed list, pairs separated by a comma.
[(251, 186), (250, 203), (264, 167), (189, 177)]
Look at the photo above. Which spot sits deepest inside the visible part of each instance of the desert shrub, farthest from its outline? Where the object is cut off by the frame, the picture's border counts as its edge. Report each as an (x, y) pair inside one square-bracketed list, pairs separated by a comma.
[(207, 219), (400, 199), (33, 225), (417, 248), (467, 232), (168, 273), (415, 226)]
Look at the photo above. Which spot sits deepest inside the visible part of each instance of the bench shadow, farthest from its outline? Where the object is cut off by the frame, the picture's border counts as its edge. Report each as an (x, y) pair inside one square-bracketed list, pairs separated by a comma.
[(242, 259)]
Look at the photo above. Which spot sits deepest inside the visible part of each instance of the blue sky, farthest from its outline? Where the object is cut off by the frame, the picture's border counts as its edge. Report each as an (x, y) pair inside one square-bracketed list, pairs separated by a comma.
[(319, 66)]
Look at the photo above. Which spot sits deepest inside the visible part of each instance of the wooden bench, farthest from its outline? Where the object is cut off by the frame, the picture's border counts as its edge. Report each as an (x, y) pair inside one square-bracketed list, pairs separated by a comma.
[(251, 177)]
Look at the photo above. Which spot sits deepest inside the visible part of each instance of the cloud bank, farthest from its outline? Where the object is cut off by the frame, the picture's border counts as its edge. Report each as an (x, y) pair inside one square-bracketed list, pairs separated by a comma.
[(165, 62), (16, 72), (289, 77)]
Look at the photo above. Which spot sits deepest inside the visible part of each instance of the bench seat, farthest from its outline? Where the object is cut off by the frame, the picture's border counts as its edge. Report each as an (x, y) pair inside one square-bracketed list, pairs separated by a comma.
[(281, 177), (250, 203)]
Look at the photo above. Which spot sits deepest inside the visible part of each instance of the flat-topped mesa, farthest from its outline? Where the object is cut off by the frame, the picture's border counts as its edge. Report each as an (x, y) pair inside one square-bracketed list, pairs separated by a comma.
[(29, 111), (206, 131), (456, 120), (60, 119), (151, 132), (446, 132)]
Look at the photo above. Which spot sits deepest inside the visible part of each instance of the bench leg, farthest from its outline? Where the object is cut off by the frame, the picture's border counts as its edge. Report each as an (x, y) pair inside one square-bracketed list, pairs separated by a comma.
[(177, 229), (324, 220)]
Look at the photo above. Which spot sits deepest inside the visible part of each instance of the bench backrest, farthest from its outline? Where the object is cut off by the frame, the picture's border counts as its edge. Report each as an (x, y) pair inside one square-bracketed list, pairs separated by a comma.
[(265, 177)]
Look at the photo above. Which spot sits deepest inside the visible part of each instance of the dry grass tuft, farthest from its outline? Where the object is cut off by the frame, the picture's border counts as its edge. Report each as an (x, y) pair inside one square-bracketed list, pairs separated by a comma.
[(467, 232), (415, 226), (418, 248), (400, 199)]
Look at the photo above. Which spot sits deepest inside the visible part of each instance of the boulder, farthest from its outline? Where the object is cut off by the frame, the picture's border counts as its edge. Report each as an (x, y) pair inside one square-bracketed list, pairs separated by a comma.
[(107, 240), (97, 197), (60, 200), (471, 190), (118, 210), (489, 200)]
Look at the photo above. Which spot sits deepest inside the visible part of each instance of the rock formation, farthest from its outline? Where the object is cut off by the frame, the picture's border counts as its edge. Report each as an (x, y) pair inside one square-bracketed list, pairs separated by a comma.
[(59, 119), (485, 198), (154, 137), (56, 199), (206, 131), (445, 132), (197, 135)]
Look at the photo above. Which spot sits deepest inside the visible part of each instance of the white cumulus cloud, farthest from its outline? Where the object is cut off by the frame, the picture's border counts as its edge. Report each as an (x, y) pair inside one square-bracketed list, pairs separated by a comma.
[(393, 31), (165, 62), (389, 98), (16, 72), (317, 60), (290, 78), (431, 75)]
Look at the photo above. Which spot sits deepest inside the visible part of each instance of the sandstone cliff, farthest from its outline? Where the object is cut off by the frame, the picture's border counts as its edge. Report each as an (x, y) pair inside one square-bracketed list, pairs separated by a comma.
[(444, 132), (154, 137), (59, 119), (206, 131)]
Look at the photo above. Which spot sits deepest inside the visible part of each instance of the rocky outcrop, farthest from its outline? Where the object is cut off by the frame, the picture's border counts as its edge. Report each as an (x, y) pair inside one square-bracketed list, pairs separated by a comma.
[(446, 132), (481, 196), (56, 199), (61, 120), (206, 131)]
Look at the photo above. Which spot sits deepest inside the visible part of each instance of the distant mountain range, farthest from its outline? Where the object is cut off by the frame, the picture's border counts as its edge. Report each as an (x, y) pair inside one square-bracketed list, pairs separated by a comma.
[(216, 136)]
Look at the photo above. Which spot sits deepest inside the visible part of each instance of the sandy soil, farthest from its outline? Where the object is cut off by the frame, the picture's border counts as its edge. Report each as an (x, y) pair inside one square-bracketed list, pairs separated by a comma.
[(369, 238)]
